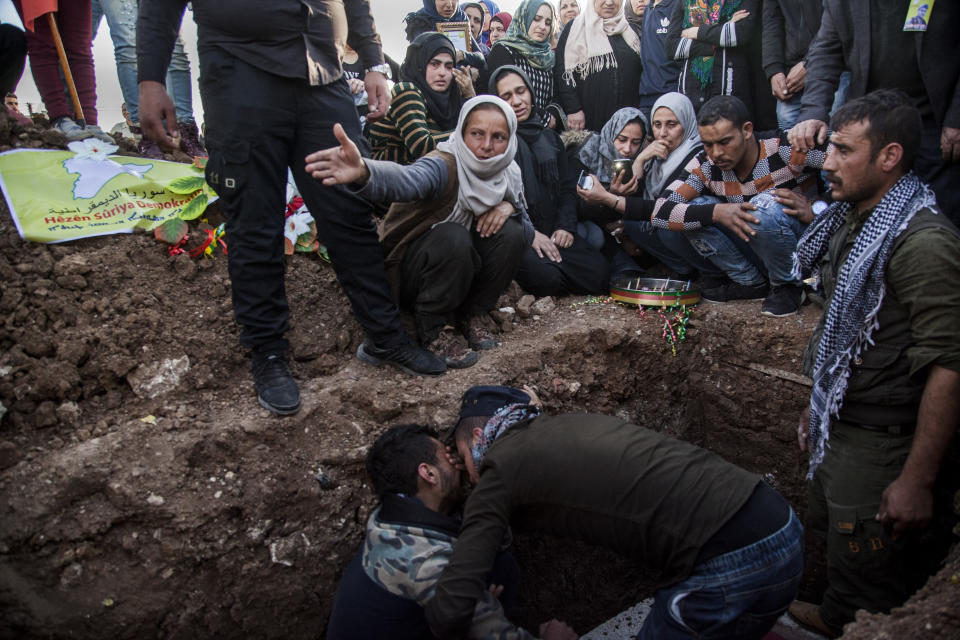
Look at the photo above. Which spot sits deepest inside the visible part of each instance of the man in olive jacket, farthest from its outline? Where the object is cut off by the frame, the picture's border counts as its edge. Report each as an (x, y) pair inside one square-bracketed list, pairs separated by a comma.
[(885, 365), (727, 546)]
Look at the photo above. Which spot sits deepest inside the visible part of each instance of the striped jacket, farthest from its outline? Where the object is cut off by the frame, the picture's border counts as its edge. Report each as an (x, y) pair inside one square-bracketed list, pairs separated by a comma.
[(407, 132)]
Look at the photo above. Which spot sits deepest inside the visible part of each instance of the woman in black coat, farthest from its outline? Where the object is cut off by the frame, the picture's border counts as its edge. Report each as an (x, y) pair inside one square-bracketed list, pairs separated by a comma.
[(597, 70), (558, 262)]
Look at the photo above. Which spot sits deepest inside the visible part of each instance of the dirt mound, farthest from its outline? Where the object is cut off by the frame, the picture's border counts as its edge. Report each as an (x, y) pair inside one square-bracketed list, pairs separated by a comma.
[(143, 493)]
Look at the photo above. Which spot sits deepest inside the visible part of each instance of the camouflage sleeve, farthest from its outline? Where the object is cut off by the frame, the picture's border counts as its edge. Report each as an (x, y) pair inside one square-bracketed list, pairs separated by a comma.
[(490, 622), (423, 581)]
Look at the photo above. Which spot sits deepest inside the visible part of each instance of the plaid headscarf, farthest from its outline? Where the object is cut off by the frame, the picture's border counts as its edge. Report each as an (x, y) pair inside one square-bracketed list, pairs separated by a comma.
[(852, 316), (538, 54), (498, 424)]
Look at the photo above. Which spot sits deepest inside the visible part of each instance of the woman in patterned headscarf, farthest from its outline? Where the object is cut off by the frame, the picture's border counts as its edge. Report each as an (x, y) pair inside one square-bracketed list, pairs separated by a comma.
[(527, 46), (598, 65), (710, 37), (498, 27)]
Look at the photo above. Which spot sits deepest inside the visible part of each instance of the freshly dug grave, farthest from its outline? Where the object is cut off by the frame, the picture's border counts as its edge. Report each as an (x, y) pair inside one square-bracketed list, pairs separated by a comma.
[(143, 493)]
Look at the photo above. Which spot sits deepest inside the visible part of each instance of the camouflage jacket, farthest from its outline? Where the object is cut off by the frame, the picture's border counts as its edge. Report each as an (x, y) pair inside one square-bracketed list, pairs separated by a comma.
[(406, 560)]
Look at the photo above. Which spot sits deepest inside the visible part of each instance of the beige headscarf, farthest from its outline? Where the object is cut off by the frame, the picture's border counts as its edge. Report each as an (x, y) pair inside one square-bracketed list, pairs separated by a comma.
[(588, 49), (483, 184)]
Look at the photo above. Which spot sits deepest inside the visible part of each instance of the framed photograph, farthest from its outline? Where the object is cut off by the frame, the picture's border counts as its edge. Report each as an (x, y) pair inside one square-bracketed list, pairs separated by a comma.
[(458, 32)]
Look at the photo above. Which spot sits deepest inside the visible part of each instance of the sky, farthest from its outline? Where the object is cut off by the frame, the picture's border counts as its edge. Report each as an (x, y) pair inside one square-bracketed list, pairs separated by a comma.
[(388, 15)]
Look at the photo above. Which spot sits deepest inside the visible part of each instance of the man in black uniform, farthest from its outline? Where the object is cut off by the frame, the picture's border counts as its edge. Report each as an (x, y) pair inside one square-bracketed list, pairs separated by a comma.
[(272, 89)]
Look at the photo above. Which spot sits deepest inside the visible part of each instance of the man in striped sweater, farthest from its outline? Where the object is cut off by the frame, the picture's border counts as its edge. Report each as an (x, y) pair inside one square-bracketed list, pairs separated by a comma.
[(757, 205)]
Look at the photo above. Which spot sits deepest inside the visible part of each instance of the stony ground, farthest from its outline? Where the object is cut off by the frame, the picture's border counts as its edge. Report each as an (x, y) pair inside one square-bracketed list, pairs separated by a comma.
[(143, 493)]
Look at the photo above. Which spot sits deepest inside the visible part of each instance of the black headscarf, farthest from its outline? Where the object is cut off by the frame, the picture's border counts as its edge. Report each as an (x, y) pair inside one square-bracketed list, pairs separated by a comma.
[(541, 159), (443, 107)]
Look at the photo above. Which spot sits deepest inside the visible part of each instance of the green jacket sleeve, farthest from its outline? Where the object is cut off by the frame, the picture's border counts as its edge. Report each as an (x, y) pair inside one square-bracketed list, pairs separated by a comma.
[(924, 274)]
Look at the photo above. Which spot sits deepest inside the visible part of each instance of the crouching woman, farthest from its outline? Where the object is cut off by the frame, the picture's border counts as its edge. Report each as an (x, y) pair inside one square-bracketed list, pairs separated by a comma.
[(457, 229)]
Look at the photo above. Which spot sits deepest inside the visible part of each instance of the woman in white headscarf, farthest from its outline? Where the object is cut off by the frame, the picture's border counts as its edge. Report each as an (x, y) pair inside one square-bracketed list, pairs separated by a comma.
[(457, 228), (597, 69), (663, 162)]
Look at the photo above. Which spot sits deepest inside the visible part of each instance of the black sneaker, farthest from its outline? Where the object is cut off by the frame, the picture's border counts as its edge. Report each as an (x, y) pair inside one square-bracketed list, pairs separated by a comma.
[(276, 388), (735, 291), (784, 300), (712, 281), (408, 357)]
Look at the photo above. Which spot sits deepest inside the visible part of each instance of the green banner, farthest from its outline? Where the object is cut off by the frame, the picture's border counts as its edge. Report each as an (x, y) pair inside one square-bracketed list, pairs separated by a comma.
[(55, 196)]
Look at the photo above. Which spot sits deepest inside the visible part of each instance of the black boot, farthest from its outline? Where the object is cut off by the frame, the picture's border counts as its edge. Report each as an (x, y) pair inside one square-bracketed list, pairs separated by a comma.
[(276, 388), (190, 140)]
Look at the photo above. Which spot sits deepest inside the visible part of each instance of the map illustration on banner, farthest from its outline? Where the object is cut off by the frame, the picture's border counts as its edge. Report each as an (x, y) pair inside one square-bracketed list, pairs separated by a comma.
[(55, 196)]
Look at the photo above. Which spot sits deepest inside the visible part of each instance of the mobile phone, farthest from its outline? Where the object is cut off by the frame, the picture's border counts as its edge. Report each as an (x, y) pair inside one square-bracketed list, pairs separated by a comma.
[(623, 166), (585, 181)]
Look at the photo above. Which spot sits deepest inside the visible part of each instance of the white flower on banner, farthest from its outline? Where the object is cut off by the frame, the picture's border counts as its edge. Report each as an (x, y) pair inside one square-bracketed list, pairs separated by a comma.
[(92, 149), (297, 224)]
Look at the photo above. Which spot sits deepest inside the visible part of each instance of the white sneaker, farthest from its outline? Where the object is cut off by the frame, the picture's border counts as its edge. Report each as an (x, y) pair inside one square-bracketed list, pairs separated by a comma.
[(73, 131), (97, 132)]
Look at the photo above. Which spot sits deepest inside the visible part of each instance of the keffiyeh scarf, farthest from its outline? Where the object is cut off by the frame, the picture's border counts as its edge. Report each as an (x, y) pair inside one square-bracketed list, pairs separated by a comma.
[(852, 316), (498, 424)]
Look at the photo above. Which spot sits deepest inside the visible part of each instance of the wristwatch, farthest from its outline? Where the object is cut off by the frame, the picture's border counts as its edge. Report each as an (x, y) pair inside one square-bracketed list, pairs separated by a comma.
[(383, 68)]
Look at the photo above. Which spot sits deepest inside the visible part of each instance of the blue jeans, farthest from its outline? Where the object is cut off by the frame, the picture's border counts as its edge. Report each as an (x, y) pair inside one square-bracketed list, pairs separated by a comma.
[(774, 244), (788, 111), (122, 20), (776, 239), (672, 248), (737, 596), (843, 87), (726, 250)]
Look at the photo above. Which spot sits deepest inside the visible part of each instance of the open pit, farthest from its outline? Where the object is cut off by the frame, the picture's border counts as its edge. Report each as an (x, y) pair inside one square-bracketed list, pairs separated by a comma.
[(144, 494)]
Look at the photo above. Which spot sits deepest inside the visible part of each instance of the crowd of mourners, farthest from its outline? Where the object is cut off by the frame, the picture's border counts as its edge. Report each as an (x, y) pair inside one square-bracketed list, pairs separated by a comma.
[(768, 150)]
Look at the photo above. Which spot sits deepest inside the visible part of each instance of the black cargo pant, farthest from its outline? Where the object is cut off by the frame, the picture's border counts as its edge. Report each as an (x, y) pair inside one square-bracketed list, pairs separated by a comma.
[(866, 568), (451, 274), (257, 125)]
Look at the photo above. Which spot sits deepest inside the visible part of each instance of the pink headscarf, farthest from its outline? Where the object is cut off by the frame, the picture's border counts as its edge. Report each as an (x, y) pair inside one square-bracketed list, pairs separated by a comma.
[(504, 18)]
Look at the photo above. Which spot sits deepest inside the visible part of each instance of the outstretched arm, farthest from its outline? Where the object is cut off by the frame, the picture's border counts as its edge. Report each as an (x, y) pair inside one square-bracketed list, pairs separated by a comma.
[(338, 165), (379, 180)]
